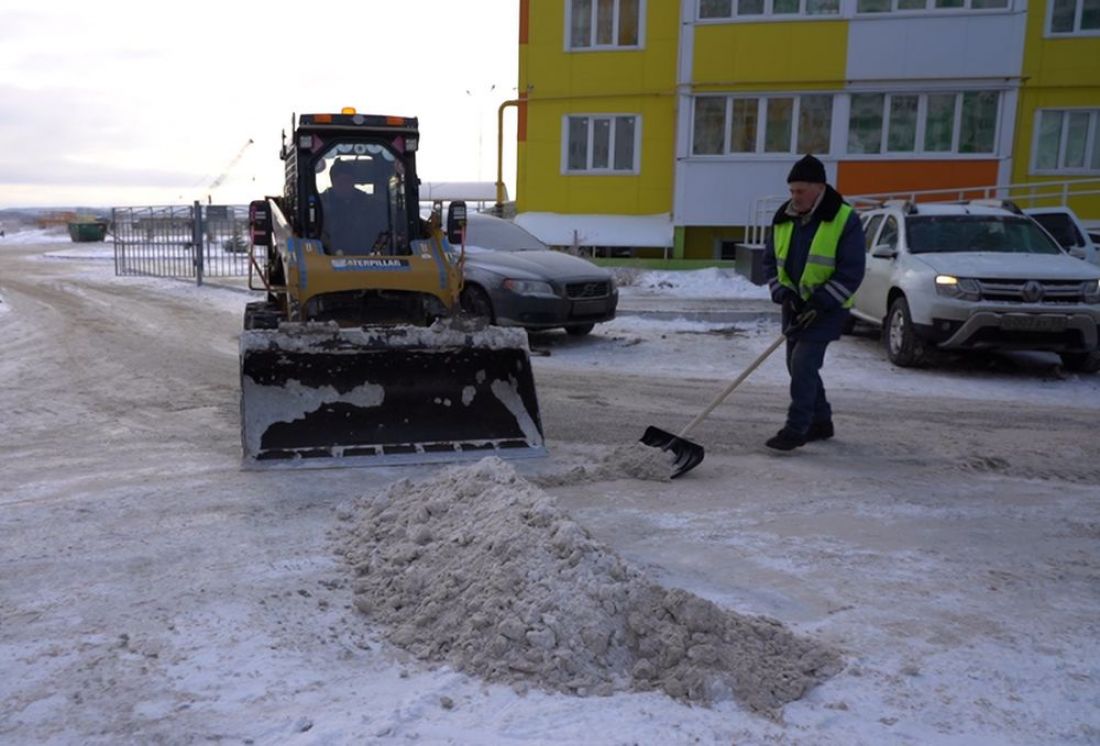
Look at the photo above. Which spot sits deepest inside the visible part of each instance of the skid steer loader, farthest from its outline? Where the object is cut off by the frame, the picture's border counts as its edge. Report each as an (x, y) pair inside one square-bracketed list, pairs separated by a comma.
[(358, 352)]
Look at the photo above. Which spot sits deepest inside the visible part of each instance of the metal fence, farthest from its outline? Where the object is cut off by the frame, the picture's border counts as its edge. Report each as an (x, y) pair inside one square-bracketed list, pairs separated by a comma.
[(184, 242)]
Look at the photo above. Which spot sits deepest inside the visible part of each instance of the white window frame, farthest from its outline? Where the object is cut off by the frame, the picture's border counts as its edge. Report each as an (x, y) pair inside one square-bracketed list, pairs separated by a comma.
[(614, 30), (1078, 10), (929, 7), (636, 155), (1090, 141), (922, 123), (768, 13), (762, 123)]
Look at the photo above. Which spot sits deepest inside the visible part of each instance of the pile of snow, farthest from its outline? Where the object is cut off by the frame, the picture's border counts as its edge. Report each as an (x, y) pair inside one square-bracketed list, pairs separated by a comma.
[(712, 282), (36, 236), (478, 568), (633, 461)]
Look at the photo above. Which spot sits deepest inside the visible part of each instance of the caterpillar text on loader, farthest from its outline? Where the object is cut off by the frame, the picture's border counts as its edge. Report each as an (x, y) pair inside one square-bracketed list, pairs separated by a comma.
[(357, 354)]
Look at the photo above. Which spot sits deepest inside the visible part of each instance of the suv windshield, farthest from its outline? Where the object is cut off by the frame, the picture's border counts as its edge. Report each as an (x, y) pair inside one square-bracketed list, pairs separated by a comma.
[(972, 233)]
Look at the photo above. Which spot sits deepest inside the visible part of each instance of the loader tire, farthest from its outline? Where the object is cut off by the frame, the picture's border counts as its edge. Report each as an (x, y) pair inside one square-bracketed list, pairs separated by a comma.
[(475, 302)]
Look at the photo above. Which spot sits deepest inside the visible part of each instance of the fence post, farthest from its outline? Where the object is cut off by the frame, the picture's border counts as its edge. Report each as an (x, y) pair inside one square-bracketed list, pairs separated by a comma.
[(114, 238), (197, 240)]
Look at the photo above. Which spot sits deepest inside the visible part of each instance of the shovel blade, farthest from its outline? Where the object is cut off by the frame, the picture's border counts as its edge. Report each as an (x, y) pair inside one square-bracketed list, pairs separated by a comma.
[(687, 455)]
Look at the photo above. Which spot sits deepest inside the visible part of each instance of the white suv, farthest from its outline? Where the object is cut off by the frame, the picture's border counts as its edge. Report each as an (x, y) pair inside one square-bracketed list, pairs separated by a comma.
[(975, 276)]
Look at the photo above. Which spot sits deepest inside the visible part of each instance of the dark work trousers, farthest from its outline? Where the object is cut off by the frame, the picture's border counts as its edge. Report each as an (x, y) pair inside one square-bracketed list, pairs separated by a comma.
[(808, 403)]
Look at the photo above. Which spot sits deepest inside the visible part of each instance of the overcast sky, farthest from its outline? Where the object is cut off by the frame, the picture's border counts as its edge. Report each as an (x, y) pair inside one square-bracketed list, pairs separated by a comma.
[(115, 102)]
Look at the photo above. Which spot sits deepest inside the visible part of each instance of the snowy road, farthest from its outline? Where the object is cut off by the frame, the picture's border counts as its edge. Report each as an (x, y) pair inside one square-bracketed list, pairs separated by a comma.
[(948, 541)]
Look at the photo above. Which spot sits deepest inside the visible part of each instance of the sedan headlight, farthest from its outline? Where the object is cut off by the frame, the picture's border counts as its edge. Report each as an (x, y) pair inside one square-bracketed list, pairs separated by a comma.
[(1091, 291), (963, 288), (529, 287)]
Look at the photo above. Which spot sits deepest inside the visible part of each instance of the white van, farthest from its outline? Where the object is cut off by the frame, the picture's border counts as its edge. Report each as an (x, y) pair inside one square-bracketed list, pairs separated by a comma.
[(1063, 224)]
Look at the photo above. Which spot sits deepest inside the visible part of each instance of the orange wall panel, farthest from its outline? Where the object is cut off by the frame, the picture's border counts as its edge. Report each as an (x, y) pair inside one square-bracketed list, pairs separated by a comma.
[(878, 177)]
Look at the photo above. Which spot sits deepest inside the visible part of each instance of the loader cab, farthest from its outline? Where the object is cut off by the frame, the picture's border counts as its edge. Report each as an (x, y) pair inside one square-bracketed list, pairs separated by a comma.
[(352, 184)]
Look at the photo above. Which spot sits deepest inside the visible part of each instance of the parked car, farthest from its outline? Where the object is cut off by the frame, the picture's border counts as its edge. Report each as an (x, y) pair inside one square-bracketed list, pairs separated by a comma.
[(514, 279), (959, 277), (1062, 223)]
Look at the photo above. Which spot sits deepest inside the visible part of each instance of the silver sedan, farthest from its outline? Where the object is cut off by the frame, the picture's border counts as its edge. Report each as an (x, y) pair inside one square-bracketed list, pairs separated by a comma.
[(514, 279)]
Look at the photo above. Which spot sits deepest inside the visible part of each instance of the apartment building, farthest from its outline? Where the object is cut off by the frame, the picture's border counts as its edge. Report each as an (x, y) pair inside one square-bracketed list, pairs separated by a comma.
[(661, 124)]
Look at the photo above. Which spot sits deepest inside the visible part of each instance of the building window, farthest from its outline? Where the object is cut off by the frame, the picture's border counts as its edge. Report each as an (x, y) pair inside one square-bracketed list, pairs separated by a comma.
[(1067, 141), (978, 124), (749, 9), (767, 124), (601, 143), (890, 6), (1074, 17), (939, 123), (902, 123), (865, 123), (604, 24)]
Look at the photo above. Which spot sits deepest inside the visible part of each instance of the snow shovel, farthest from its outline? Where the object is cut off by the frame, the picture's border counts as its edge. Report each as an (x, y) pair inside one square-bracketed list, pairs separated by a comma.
[(688, 454)]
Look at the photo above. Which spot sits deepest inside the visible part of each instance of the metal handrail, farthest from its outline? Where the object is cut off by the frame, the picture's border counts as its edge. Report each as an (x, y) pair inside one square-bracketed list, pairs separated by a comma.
[(1025, 194)]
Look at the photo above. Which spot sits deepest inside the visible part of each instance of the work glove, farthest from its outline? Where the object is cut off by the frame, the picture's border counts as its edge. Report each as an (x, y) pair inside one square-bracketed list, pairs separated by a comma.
[(793, 305), (801, 321), (822, 302), (783, 294)]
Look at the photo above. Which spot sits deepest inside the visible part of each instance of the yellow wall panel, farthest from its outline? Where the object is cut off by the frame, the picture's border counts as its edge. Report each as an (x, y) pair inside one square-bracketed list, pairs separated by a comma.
[(752, 56), (543, 187), (630, 81), (1058, 73), (1059, 61)]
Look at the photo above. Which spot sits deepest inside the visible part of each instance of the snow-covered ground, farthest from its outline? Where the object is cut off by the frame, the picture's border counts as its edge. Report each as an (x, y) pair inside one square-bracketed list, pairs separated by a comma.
[(945, 543)]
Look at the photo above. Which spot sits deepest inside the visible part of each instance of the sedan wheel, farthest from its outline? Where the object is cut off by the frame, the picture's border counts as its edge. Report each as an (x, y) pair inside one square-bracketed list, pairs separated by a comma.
[(579, 331), (475, 302), (904, 348)]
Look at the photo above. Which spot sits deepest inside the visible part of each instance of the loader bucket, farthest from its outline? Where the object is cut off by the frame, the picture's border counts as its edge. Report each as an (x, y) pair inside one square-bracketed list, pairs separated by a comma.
[(320, 395)]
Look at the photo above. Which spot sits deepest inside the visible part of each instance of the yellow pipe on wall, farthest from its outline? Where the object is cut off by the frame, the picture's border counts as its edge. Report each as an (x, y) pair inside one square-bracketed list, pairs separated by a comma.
[(500, 151)]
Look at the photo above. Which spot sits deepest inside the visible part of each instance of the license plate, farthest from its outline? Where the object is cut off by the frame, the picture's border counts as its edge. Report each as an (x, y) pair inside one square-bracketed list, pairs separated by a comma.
[(1033, 323), (589, 307)]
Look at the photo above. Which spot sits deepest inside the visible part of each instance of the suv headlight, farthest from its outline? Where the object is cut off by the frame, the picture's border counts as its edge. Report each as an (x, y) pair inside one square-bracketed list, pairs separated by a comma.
[(529, 287), (963, 288), (1091, 291)]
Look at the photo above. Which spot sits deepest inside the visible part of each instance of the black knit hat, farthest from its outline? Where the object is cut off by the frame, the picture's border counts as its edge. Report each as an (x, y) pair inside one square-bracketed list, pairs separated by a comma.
[(808, 169)]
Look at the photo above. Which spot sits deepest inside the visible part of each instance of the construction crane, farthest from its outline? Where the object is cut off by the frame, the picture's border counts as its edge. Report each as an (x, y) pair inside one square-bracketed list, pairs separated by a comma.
[(226, 171)]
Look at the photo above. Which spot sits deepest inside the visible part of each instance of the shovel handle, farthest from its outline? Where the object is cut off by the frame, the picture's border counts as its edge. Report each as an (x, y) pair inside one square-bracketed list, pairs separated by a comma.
[(736, 382)]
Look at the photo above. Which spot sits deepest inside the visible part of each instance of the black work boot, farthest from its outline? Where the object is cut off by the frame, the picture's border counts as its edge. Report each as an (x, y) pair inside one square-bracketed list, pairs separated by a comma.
[(820, 431), (786, 440)]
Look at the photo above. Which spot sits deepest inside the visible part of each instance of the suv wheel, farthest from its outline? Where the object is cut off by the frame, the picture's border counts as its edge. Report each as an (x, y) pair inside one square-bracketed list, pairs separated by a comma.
[(904, 348), (580, 330), (1081, 362)]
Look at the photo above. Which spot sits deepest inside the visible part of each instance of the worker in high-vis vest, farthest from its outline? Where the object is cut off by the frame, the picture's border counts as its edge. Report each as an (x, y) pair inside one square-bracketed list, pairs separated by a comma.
[(814, 264)]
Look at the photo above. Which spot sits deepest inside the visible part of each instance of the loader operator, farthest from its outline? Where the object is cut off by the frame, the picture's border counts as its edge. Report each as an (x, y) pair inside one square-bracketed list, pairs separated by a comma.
[(814, 262), (354, 221)]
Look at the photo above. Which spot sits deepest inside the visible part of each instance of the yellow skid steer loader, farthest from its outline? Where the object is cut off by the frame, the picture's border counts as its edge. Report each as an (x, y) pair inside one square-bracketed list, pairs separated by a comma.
[(358, 353)]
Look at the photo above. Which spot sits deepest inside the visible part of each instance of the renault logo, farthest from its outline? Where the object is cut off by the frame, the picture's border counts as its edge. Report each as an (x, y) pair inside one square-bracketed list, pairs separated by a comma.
[(1032, 291)]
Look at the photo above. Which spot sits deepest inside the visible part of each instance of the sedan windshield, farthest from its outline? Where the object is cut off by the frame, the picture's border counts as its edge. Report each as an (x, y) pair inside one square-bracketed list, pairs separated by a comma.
[(971, 233), (500, 235)]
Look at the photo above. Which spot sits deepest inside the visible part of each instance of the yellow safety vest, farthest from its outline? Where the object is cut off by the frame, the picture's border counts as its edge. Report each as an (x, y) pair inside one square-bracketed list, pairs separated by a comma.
[(821, 262)]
